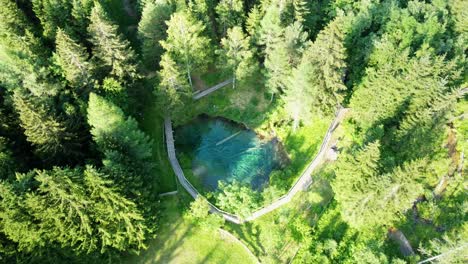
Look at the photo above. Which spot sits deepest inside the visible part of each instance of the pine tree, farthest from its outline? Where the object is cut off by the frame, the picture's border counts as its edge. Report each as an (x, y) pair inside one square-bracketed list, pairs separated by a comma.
[(236, 56), (301, 10), (110, 48), (230, 14), (327, 55), (282, 56), (185, 43), (297, 95), (16, 222), (46, 133), (204, 11), (73, 59), (369, 197), (127, 150), (88, 215), (52, 14), (173, 89), (253, 24), (81, 10), (152, 29)]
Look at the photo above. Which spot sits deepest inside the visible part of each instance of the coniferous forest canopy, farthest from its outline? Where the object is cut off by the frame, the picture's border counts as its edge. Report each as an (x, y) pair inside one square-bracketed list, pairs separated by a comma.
[(85, 86)]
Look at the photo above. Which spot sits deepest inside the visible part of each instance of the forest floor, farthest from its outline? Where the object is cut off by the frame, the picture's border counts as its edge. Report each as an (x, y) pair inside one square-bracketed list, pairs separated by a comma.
[(180, 241)]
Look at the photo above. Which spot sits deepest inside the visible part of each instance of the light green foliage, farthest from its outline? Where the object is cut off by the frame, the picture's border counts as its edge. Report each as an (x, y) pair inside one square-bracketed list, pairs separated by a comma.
[(185, 43), (327, 58), (237, 198), (230, 14), (253, 24), (115, 92), (282, 56), (236, 56), (52, 14), (111, 51), (200, 214), (126, 149), (173, 89), (370, 198), (449, 249), (73, 59), (152, 29)]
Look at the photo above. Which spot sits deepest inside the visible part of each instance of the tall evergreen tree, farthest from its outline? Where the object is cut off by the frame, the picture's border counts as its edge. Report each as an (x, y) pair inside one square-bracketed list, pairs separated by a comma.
[(173, 89), (230, 14), (110, 48), (204, 11), (52, 14), (282, 56), (127, 151), (327, 55), (49, 135), (370, 198), (88, 215), (73, 59), (236, 56), (185, 43), (152, 29)]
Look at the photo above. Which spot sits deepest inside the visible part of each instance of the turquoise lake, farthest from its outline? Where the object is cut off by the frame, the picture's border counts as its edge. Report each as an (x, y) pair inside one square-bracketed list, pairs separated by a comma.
[(220, 149)]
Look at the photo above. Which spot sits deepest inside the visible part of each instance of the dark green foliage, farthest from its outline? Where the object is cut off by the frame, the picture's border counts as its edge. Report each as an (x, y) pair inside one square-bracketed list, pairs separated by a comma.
[(52, 14), (88, 214), (49, 135), (152, 29), (112, 53)]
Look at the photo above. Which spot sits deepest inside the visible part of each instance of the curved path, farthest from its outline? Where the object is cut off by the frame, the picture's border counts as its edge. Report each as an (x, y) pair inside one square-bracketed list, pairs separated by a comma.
[(302, 183)]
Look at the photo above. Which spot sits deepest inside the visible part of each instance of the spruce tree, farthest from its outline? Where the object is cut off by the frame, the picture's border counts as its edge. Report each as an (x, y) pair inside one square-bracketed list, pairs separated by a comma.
[(185, 43), (73, 59), (328, 55), (110, 48), (52, 14), (127, 150), (173, 89), (152, 29), (282, 56), (236, 56), (230, 13), (49, 135), (88, 214)]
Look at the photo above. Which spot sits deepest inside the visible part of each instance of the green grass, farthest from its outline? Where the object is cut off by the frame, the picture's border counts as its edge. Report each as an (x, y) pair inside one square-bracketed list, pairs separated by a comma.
[(153, 126), (179, 241)]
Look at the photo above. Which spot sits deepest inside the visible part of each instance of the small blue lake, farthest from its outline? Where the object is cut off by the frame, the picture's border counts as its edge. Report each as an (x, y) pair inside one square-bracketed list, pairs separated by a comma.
[(220, 149)]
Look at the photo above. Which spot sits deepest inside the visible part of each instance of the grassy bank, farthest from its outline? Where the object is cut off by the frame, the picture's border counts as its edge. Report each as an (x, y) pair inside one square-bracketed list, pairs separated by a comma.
[(179, 241)]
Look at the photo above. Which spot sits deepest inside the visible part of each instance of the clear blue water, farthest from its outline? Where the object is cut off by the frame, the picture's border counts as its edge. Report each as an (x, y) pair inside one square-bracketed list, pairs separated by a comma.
[(223, 150)]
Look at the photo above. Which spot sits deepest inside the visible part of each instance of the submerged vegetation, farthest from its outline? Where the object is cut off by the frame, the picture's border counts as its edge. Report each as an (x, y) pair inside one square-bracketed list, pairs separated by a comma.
[(85, 86)]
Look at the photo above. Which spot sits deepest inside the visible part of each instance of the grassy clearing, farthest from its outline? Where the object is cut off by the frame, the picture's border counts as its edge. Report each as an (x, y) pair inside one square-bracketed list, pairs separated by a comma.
[(152, 124), (179, 241)]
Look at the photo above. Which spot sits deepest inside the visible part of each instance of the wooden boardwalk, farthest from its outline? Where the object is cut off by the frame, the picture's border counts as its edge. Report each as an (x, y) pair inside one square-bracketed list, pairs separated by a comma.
[(206, 92), (301, 184)]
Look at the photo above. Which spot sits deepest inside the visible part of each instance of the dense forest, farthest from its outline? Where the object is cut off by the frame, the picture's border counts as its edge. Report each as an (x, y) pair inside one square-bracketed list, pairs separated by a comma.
[(84, 83)]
